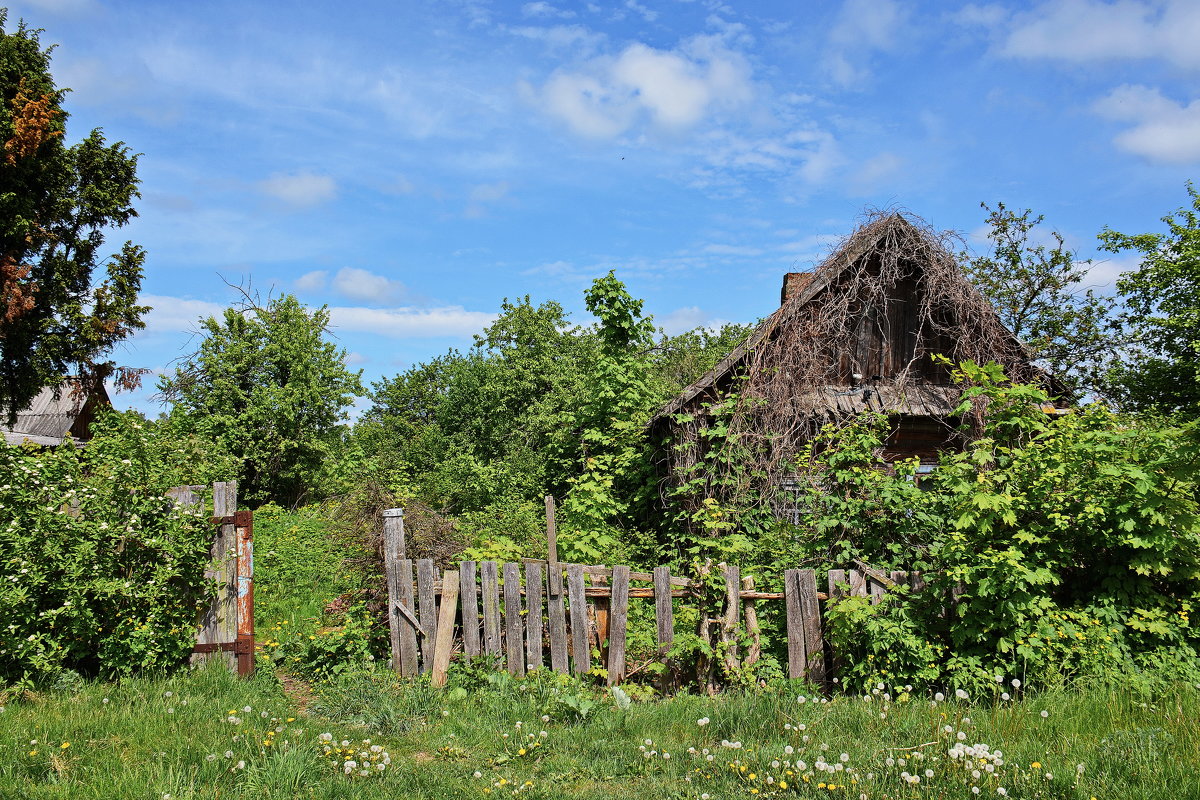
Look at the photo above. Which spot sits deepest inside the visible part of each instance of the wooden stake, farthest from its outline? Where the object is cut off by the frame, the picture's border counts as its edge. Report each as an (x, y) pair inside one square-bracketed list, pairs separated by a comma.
[(444, 644)]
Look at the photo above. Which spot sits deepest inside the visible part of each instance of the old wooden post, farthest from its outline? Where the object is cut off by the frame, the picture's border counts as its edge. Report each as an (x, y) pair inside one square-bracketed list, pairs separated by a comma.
[(619, 615), (427, 600), (410, 626), (218, 631), (581, 656), (243, 523), (514, 647), (810, 612), (731, 616), (469, 592), (393, 554), (533, 615), (664, 618), (444, 644), (489, 586), (795, 624), (557, 619), (753, 631)]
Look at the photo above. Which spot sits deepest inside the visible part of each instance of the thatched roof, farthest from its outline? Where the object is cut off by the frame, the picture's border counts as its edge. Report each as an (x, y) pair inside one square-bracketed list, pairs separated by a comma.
[(919, 246), (48, 420)]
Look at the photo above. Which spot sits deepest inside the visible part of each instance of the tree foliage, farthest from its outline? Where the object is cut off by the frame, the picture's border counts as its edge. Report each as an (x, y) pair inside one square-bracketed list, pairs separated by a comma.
[(1039, 293), (269, 389), (1161, 371), (56, 201)]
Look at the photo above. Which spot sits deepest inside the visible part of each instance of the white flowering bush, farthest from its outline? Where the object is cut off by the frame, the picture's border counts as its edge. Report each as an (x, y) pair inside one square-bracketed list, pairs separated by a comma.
[(99, 572)]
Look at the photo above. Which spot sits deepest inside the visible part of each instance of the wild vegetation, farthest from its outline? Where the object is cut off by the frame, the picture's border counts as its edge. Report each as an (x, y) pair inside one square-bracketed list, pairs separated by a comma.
[(1067, 667)]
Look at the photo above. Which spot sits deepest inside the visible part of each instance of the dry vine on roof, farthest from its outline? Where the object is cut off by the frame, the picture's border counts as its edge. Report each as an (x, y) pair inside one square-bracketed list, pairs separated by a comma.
[(888, 299)]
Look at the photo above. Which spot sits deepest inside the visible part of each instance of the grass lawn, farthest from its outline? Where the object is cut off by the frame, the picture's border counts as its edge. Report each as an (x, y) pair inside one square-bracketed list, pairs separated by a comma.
[(551, 738)]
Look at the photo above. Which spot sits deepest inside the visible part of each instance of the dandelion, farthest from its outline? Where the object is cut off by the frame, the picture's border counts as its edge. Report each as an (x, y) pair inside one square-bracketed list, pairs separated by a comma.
[(104, 701), (1016, 684), (961, 694), (702, 721), (939, 697), (1045, 714), (1005, 696)]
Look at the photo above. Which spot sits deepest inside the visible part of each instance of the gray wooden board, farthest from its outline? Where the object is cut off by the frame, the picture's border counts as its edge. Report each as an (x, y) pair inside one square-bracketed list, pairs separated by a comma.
[(468, 592), (409, 662), (444, 644), (427, 609), (581, 655), (514, 647), (392, 556), (533, 616), (810, 612), (795, 626), (664, 616), (618, 617), (557, 617), (489, 586), (858, 583)]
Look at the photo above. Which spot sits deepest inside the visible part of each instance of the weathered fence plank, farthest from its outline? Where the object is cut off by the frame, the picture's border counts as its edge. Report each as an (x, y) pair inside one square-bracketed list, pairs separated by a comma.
[(581, 657), (393, 554), (810, 612), (489, 585), (664, 614), (533, 616), (557, 618), (410, 627), (753, 631), (858, 583), (795, 625), (514, 647), (469, 593), (444, 644), (427, 609), (837, 590), (617, 624)]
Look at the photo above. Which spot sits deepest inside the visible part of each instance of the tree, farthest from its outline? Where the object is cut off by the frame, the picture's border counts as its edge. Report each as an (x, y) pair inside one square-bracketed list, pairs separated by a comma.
[(1162, 372), (56, 201), (266, 385), (1038, 293)]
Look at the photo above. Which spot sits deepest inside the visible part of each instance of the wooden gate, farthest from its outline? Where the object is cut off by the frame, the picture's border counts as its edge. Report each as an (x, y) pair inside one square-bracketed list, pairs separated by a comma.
[(226, 629)]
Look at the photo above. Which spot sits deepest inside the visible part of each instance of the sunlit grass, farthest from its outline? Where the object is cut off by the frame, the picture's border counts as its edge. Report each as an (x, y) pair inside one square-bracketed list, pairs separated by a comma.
[(189, 736)]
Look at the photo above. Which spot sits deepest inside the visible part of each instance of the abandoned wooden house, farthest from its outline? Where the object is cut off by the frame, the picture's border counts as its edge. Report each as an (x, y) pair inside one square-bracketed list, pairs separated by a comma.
[(856, 334), (48, 421)]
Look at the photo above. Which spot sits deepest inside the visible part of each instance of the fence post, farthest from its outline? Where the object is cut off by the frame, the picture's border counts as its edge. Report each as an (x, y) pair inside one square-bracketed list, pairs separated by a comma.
[(244, 533), (514, 647), (427, 598), (664, 617), (533, 615), (393, 555), (810, 610), (444, 643), (489, 585), (795, 628), (616, 625), (556, 616), (581, 655), (469, 592)]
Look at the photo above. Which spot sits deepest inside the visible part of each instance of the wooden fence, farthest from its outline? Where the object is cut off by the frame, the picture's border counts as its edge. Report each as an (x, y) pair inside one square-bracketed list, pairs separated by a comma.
[(541, 613), (226, 630)]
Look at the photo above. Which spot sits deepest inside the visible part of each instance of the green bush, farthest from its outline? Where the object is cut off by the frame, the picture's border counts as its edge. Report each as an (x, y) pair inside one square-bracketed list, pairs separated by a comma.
[(100, 573)]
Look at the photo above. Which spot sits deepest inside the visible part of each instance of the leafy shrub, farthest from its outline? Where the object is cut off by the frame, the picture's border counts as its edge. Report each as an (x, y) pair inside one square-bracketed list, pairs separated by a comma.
[(99, 572)]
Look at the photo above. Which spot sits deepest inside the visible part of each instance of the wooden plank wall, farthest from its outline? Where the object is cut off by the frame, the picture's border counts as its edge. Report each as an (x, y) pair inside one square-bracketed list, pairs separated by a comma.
[(519, 613)]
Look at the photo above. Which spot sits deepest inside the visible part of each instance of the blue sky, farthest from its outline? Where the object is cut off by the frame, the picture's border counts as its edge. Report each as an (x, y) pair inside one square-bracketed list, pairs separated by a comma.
[(411, 164)]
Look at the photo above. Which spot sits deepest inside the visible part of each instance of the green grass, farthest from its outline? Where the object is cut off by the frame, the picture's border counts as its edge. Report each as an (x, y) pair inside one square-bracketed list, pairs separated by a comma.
[(146, 743)]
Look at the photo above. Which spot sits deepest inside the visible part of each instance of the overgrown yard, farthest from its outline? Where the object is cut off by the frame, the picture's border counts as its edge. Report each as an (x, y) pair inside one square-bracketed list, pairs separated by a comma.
[(207, 735)]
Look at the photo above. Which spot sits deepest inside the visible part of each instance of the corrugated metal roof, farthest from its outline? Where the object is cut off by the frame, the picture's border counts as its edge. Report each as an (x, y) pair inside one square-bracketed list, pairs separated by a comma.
[(47, 421)]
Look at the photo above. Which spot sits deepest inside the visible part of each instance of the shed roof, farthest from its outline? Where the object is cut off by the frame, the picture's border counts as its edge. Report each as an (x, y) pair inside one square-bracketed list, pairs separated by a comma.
[(48, 420)]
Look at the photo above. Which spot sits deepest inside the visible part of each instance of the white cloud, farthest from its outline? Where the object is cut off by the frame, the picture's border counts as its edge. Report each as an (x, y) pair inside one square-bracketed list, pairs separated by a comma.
[(647, 14), (542, 9), (367, 287), (1103, 272), (176, 314), (299, 189), (673, 90), (558, 37), (732, 250), (688, 318), (1163, 132), (1094, 30), (875, 172), (311, 281), (483, 195), (863, 27), (414, 323)]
